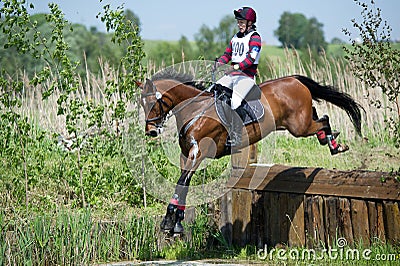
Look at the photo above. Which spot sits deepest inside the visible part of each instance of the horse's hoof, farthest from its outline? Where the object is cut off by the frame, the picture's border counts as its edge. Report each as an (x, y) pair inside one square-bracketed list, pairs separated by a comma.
[(339, 149), (335, 134), (167, 224), (178, 229)]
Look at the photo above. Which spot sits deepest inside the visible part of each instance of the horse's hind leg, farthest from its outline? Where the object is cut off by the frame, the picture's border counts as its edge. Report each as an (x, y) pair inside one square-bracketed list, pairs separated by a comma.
[(325, 134)]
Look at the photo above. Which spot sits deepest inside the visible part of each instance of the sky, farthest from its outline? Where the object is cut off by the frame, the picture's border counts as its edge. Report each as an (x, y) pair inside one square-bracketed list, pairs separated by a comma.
[(169, 20)]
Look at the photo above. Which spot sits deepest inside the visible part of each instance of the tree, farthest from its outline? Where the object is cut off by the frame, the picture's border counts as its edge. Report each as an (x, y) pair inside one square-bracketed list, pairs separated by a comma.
[(337, 40), (133, 18), (205, 40), (212, 42), (298, 31), (291, 30), (314, 36), (376, 62)]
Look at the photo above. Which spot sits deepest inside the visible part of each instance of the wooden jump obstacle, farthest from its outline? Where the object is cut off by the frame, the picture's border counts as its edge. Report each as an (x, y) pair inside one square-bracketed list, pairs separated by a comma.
[(309, 207)]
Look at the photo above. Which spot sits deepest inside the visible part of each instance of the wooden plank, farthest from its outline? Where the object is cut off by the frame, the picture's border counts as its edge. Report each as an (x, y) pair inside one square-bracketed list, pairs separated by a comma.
[(267, 219), (257, 220), (380, 222), (225, 220), (321, 231), (392, 221), (317, 181), (283, 219), (372, 219), (359, 219), (331, 207), (314, 221), (297, 235), (345, 220), (272, 217), (241, 216), (237, 223), (308, 221)]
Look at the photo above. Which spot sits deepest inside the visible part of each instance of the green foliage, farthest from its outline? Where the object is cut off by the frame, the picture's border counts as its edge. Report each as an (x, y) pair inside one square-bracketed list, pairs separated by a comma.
[(375, 61), (38, 179), (83, 117), (209, 43), (212, 42), (86, 46), (295, 30), (66, 238), (198, 238)]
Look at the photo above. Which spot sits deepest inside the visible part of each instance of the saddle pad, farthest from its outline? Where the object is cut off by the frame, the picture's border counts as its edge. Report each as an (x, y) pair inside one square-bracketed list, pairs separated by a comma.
[(254, 111)]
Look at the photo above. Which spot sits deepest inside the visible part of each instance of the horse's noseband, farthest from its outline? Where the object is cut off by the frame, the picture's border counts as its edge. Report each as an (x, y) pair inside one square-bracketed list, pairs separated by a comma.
[(161, 118)]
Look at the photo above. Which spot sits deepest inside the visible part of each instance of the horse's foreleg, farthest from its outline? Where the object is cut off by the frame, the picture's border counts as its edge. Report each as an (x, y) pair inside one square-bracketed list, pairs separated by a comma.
[(176, 208)]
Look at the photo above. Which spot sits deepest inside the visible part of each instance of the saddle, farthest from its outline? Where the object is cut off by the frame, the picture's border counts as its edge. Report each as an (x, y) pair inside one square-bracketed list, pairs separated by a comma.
[(252, 108)]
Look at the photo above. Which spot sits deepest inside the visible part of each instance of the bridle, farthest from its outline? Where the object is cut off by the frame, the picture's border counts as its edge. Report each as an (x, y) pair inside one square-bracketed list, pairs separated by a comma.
[(159, 120), (163, 116)]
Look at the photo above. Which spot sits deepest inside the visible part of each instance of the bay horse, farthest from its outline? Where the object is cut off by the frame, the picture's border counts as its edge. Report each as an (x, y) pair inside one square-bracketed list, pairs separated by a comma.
[(288, 105)]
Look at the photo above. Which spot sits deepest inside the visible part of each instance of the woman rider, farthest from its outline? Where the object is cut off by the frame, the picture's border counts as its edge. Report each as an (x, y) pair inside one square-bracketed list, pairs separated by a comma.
[(243, 52)]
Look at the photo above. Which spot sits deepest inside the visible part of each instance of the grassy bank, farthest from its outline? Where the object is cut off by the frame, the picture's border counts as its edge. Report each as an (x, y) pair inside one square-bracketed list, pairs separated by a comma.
[(50, 215)]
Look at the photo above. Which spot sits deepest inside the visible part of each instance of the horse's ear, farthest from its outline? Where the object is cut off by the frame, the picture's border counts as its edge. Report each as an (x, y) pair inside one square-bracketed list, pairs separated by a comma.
[(149, 86), (139, 84)]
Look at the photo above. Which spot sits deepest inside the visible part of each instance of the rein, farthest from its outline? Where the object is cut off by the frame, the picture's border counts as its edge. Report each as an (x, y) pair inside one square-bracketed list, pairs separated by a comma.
[(183, 106), (163, 116), (191, 122)]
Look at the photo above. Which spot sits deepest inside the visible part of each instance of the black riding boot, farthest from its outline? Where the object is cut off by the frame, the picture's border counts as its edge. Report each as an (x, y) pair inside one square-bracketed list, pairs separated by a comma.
[(236, 127)]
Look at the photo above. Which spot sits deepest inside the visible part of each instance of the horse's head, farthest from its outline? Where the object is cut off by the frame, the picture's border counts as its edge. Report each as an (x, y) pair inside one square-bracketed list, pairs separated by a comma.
[(155, 109)]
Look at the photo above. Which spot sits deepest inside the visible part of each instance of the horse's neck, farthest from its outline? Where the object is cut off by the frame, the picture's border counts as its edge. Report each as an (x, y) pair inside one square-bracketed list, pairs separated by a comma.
[(189, 102), (181, 93)]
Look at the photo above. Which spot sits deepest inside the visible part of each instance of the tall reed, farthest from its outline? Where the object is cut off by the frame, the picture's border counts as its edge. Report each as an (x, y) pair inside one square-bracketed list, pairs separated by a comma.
[(332, 71), (76, 238), (335, 71)]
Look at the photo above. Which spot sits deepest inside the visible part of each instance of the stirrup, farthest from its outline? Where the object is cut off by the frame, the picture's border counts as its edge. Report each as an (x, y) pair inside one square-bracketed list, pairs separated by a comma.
[(232, 143)]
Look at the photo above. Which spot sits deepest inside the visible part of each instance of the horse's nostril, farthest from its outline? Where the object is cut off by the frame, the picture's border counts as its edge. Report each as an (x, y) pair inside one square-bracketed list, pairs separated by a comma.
[(152, 133)]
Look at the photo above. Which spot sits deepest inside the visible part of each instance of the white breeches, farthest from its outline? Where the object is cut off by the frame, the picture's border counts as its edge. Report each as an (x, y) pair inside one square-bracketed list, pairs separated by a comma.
[(240, 85)]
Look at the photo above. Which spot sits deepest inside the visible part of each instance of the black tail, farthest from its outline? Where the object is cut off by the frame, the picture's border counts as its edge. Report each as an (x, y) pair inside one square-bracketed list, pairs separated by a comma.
[(334, 96)]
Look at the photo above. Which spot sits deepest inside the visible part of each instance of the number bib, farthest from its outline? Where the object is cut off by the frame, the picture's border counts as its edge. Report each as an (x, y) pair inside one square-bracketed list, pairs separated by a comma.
[(240, 48)]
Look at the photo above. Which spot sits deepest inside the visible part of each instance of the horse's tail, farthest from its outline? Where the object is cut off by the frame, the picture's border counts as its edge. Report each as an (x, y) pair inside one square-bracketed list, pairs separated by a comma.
[(334, 96)]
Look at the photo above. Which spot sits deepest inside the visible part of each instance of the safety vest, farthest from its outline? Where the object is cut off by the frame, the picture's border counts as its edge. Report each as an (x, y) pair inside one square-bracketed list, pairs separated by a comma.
[(240, 48)]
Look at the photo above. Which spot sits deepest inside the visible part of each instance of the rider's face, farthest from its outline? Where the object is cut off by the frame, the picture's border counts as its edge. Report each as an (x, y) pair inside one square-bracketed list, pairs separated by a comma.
[(243, 24)]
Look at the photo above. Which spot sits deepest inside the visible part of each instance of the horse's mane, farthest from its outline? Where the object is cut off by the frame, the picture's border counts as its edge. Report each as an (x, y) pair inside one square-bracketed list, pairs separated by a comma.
[(185, 78)]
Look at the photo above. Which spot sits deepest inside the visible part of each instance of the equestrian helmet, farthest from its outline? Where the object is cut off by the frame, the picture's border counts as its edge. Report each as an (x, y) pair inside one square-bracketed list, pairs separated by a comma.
[(246, 13)]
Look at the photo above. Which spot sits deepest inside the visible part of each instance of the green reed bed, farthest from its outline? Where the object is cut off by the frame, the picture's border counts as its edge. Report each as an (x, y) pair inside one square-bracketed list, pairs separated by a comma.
[(75, 238)]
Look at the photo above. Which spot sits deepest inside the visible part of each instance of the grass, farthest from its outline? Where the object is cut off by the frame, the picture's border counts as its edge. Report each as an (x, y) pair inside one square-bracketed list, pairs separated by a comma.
[(55, 228), (307, 152)]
